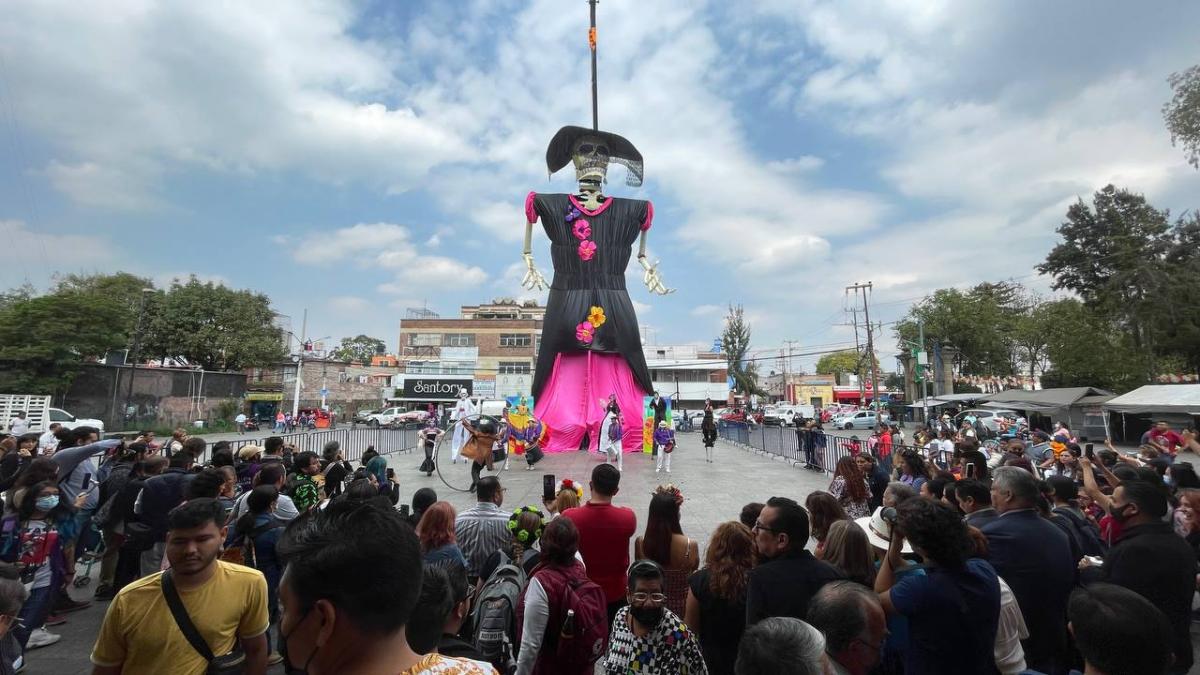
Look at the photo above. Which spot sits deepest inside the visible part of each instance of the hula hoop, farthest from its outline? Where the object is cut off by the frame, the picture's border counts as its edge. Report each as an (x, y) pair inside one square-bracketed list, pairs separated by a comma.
[(437, 449)]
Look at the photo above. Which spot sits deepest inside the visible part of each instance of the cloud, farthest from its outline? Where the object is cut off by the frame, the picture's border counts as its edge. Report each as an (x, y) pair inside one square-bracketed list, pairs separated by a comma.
[(106, 187), (350, 304), (35, 255), (707, 310), (389, 246)]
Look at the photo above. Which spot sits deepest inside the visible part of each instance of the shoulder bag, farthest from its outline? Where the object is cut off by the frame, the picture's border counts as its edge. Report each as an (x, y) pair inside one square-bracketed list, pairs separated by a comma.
[(232, 663)]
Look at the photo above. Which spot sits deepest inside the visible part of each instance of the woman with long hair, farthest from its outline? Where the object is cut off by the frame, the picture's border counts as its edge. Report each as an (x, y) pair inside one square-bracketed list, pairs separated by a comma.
[(40, 470), (436, 531), (848, 549), (34, 540), (716, 600), (665, 544), (850, 488), (912, 470), (823, 510)]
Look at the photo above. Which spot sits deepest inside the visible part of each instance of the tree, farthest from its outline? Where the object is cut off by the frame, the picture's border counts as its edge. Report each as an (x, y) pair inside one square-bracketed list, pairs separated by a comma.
[(1086, 349), (1182, 113), (213, 326), (845, 361), (1029, 337), (1113, 256), (978, 322), (359, 348), (123, 288), (43, 340), (735, 343)]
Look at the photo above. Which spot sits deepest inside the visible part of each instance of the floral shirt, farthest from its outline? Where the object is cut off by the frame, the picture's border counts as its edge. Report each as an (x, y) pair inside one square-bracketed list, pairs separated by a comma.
[(853, 509), (670, 649), (436, 664)]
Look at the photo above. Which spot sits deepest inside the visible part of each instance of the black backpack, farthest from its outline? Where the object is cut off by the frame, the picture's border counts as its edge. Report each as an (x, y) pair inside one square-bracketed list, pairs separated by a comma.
[(494, 620), (1087, 534)]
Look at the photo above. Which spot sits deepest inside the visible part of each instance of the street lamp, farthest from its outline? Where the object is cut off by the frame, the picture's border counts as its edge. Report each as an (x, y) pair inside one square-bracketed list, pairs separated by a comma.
[(134, 352)]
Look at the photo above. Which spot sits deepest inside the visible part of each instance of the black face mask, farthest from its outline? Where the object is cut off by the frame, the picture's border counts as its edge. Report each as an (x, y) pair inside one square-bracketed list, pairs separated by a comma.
[(1120, 515), (288, 666), (647, 616)]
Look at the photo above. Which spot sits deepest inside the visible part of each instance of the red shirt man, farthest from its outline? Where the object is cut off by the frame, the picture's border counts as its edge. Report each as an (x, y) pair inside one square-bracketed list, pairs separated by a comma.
[(604, 534), (1164, 435)]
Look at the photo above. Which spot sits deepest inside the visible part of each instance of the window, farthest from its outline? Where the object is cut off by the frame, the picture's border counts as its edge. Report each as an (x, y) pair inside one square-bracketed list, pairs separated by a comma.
[(515, 340), (425, 339), (458, 340), (515, 368)]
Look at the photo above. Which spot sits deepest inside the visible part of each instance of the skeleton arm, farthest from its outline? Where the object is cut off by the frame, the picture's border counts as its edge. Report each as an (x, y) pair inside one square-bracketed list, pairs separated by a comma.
[(651, 278), (533, 278)]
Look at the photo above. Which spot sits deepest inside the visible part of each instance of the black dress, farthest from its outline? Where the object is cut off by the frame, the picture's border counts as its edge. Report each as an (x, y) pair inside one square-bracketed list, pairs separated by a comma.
[(721, 625), (580, 284)]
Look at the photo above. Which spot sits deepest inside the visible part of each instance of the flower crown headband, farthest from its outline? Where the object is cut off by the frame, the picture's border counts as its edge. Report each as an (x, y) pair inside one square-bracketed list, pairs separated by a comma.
[(568, 484), (669, 489), (522, 535)]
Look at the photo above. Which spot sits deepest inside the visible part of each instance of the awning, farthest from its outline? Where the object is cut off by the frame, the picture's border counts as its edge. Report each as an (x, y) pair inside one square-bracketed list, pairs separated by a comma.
[(1158, 398), (1046, 399), (933, 403)]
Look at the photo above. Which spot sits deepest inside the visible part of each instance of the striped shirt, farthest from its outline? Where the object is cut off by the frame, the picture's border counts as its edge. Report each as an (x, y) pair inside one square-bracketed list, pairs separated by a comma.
[(481, 530)]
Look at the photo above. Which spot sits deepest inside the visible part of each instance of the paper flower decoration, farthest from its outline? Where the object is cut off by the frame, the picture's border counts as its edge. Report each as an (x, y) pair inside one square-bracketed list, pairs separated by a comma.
[(584, 332), (596, 316), (587, 249), (572, 214), (568, 484), (670, 489), (582, 229), (523, 535)]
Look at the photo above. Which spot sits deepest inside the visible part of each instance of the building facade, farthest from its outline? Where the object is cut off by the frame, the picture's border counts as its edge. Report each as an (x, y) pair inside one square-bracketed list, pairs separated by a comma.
[(687, 374), (489, 349), (345, 388)]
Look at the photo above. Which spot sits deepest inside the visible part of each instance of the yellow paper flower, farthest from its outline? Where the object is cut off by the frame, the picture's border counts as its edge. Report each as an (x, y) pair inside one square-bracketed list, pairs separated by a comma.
[(596, 317)]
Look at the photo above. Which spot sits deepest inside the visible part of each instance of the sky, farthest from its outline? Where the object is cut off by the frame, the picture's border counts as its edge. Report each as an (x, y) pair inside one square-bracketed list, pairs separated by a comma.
[(356, 159)]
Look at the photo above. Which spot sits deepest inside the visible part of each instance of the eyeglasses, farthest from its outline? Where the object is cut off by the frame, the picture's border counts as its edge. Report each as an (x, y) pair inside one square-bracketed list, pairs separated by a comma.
[(657, 598), (759, 526)]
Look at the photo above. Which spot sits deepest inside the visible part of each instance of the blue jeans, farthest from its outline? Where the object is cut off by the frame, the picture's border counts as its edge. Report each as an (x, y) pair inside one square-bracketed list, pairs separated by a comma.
[(34, 612)]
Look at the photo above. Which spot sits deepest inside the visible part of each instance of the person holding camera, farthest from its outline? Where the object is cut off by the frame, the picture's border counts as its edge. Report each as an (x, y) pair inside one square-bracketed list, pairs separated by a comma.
[(953, 610)]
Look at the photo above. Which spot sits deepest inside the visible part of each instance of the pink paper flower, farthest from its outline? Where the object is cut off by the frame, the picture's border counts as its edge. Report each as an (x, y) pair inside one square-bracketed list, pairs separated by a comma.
[(584, 332), (587, 249), (582, 229)]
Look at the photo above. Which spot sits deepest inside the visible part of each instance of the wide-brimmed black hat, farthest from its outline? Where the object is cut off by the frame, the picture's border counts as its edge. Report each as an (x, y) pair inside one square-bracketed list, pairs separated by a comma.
[(621, 151)]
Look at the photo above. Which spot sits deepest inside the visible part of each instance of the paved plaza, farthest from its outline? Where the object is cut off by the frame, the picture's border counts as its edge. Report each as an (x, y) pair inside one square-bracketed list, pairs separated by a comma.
[(713, 494)]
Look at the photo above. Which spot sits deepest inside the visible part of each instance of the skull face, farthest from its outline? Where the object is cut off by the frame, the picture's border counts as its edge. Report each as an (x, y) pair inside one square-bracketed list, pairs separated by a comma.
[(590, 156)]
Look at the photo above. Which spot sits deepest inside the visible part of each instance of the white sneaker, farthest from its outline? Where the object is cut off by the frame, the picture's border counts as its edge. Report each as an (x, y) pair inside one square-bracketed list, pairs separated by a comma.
[(668, 471), (40, 637), (657, 469)]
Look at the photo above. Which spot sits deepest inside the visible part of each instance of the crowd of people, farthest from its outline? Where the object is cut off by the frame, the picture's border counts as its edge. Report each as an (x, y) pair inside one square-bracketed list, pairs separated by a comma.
[(960, 559)]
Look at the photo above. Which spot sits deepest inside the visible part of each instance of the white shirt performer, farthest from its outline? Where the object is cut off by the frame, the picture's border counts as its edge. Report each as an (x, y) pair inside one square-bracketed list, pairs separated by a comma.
[(610, 440), (463, 409)]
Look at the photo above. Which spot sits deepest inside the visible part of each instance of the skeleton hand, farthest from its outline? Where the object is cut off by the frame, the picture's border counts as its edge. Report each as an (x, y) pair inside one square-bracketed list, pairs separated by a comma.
[(652, 278), (533, 278)]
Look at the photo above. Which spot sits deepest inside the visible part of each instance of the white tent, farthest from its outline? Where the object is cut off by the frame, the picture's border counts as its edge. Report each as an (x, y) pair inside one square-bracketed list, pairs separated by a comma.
[(1158, 398)]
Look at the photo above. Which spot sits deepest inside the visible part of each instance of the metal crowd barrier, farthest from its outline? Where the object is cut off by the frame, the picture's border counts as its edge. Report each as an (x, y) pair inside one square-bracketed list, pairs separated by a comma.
[(354, 441)]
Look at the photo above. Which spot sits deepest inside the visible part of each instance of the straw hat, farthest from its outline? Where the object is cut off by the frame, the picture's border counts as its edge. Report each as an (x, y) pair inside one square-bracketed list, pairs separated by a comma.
[(249, 451), (879, 531)]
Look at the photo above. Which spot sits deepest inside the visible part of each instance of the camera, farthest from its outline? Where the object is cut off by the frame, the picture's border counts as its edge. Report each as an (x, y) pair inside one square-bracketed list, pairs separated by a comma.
[(888, 514)]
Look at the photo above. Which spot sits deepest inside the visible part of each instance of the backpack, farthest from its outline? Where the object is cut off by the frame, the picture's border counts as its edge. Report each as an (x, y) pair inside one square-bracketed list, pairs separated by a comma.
[(1086, 533), (590, 636), (110, 488), (243, 553), (494, 619)]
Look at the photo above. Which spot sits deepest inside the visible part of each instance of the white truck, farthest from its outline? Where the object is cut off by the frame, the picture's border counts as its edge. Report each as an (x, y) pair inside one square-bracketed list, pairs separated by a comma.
[(40, 414)]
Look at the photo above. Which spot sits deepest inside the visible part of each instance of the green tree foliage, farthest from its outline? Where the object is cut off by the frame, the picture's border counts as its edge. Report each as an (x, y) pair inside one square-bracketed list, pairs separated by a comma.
[(212, 326), (122, 288), (978, 322), (1086, 350), (845, 361), (359, 348), (735, 343), (1182, 113), (43, 340)]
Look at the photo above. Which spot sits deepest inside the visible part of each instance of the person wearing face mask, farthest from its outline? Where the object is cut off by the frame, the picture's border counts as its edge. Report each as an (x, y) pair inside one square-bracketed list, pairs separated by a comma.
[(225, 603), (34, 540), (648, 635), (1150, 560), (332, 622)]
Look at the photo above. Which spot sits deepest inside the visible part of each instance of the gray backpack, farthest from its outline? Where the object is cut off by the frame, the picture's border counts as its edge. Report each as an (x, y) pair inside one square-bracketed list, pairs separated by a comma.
[(494, 619)]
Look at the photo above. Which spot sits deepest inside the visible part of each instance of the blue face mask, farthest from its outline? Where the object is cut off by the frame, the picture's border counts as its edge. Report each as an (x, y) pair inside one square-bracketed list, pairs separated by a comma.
[(47, 503)]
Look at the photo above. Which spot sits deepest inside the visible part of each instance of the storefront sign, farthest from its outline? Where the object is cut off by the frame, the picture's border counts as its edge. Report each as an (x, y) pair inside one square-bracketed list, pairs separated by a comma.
[(264, 396), (434, 389)]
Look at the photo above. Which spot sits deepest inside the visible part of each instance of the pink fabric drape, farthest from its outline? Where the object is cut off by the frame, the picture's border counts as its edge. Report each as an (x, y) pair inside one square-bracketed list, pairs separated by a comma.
[(573, 401)]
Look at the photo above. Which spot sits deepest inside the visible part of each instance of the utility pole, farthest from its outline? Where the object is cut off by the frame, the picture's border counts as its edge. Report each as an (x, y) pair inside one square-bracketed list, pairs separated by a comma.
[(862, 394), (923, 370), (787, 388), (300, 364), (134, 354), (866, 289)]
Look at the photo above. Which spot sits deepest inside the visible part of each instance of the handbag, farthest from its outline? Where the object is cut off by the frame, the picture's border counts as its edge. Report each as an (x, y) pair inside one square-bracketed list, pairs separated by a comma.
[(232, 663)]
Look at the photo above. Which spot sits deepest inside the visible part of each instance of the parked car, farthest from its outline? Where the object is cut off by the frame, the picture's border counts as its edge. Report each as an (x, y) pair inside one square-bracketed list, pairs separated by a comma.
[(739, 417), (362, 416), (785, 415), (987, 417), (388, 416), (862, 419), (70, 421)]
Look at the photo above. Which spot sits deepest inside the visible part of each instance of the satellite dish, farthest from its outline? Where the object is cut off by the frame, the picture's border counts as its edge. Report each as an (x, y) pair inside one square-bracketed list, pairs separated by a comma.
[(295, 359)]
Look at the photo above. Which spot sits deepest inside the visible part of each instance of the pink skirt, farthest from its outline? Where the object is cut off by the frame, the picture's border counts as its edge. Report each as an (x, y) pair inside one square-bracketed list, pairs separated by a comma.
[(574, 399)]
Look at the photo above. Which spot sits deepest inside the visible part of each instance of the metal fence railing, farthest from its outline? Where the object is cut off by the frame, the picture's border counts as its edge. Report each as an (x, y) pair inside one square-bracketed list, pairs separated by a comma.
[(819, 450), (354, 441)]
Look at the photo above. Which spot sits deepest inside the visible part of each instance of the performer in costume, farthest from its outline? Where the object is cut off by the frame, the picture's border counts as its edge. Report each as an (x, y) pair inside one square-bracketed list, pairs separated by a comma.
[(664, 444), (429, 438), (463, 409), (708, 429), (481, 438), (611, 439)]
